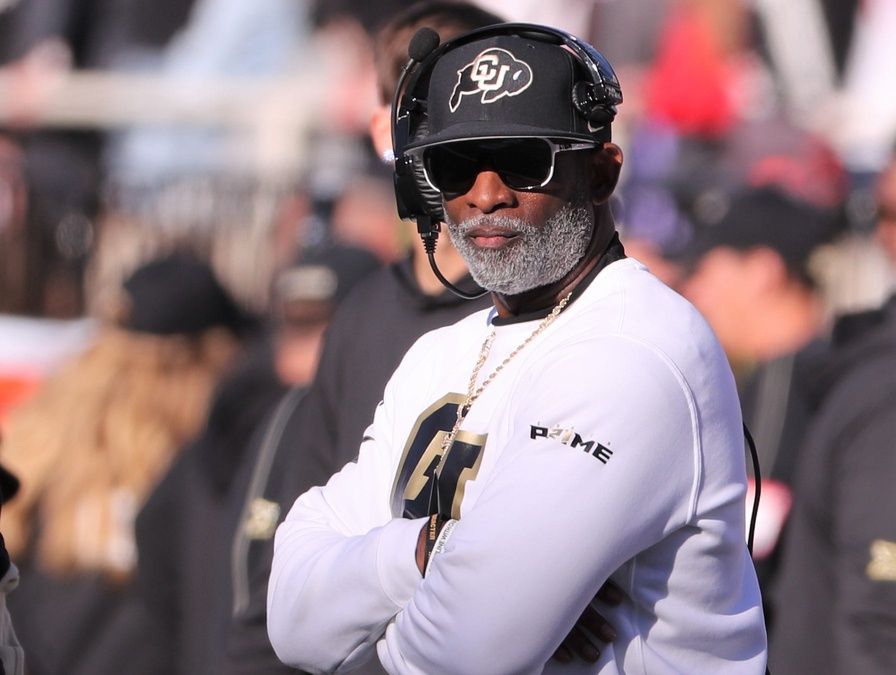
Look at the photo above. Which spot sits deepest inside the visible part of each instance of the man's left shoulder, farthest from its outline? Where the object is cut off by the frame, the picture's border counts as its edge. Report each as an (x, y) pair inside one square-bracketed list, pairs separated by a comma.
[(636, 305)]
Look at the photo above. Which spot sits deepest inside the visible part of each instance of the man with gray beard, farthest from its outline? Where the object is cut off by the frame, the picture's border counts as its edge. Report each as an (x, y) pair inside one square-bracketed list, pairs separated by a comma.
[(584, 429)]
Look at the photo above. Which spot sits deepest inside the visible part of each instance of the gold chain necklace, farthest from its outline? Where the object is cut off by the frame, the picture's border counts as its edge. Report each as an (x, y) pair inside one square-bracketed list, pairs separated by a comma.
[(473, 392)]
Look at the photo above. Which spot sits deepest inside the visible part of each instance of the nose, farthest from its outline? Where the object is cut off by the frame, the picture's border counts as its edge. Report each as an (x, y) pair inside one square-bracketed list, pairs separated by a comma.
[(489, 193)]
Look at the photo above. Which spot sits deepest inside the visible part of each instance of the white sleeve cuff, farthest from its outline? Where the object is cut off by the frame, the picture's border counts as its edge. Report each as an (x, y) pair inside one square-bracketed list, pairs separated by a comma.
[(396, 559)]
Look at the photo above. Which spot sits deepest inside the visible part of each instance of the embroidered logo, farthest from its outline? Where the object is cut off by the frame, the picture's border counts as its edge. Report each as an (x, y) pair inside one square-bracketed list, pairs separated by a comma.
[(572, 439), (882, 566), (494, 73), (592, 127)]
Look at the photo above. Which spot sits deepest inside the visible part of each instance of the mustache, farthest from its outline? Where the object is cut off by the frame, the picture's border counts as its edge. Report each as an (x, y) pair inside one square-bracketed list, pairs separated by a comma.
[(483, 221)]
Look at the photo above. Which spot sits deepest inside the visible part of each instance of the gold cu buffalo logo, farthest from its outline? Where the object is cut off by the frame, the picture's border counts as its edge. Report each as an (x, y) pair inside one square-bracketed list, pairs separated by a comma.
[(494, 73)]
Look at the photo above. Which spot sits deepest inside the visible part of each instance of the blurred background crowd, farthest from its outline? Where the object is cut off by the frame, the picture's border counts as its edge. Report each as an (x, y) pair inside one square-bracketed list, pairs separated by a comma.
[(188, 188)]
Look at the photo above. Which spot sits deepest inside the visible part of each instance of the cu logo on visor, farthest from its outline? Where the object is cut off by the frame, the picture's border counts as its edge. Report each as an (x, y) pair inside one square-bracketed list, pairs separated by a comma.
[(494, 73)]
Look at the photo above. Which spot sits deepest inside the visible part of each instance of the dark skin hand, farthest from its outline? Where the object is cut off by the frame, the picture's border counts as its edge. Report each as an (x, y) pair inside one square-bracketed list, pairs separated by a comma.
[(592, 629)]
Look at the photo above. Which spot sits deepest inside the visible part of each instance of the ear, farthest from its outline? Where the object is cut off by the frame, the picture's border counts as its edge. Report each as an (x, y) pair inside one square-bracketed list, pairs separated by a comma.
[(606, 163), (381, 130)]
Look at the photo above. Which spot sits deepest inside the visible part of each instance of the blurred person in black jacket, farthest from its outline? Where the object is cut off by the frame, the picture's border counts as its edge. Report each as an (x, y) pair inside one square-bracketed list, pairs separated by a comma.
[(314, 435), (836, 593)]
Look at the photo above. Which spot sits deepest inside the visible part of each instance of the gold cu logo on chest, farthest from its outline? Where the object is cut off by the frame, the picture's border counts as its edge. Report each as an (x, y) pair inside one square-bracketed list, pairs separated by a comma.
[(494, 73)]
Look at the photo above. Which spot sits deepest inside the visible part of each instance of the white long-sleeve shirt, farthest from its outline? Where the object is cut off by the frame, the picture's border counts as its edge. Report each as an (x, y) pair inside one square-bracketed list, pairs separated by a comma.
[(610, 446)]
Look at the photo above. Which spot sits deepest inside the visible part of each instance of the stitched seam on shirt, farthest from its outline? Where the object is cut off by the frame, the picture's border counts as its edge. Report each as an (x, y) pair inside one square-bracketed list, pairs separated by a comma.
[(623, 307), (697, 448)]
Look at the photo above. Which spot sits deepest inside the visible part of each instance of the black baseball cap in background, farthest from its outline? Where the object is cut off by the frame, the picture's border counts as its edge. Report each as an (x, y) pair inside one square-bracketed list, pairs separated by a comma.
[(765, 217), (178, 294), (311, 288)]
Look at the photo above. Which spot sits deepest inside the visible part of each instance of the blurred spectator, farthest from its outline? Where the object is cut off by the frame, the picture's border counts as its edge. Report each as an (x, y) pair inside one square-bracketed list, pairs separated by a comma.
[(88, 448), (805, 70), (679, 184), (394, 307), (220, 39), (836, 594), (12, 657), (750, 278), (315, 434), (97, 32), (185, 531), (364, 215), (305, 296), (692, 178)]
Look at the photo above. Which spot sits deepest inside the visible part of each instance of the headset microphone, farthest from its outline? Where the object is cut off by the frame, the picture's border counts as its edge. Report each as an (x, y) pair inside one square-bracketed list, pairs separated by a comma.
[(423, 44)]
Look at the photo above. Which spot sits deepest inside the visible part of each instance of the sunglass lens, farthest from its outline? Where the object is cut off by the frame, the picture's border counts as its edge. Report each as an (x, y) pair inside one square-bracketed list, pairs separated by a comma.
[(452, 168), (522, 163)]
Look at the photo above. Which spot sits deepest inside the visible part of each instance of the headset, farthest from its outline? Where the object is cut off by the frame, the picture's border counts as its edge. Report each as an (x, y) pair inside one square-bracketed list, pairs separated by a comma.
[(595, 98)]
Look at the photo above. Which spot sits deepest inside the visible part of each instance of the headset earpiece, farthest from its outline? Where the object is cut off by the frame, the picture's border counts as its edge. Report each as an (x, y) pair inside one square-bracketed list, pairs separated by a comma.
[(591, 104)]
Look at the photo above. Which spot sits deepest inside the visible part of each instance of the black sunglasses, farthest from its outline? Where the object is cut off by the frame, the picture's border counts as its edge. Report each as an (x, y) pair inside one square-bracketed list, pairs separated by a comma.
[(522, 163)]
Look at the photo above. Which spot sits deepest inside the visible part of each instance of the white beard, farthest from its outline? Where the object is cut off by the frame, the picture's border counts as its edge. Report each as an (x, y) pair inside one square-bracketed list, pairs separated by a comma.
[(539, 256)]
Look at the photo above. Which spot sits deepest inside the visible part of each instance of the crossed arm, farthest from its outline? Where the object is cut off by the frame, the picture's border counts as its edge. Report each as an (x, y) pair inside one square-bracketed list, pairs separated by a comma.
[(548, 529)]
